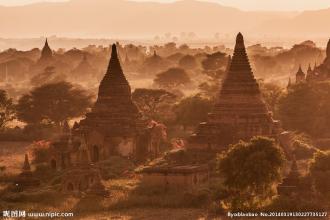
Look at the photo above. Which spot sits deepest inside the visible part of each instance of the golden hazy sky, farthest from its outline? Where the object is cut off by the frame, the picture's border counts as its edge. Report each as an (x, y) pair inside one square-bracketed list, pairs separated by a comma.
[(286, 5)]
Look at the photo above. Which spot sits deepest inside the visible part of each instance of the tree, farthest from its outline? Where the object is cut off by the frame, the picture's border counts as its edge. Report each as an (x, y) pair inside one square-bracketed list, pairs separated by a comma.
[(53, 103), (272, 94), (249, 170), (210, 90), (192, 110), (49, 75), (320, 173), (152, 102), (214, 66), (306, 108), (172, 78), (188, 62), (7, 110)]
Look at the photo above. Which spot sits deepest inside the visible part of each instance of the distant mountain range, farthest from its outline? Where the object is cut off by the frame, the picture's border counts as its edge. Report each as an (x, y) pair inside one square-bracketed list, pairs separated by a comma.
[(120, 18)]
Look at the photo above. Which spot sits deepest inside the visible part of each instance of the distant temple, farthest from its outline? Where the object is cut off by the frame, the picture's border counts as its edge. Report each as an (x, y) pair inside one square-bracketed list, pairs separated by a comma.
[(84, 70), (319, 73), (46, 52), (300, 76), (25, 179), (112, 124), (113, 127), (239, 113)]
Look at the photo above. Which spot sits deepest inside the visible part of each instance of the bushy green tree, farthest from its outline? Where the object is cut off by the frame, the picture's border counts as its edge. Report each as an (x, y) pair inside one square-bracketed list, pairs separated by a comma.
[(272, 94), (306, 108), (188, 62), (52, 103), (250, 169), (171, 78), (214, 66), (192, 110), (153, 103)]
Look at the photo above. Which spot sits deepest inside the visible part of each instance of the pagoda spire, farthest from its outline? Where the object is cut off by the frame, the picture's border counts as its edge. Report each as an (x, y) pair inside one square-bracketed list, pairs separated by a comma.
[(309, 68), (114, 83), (26, 166), (114, 67), (300, 75), (239, 71), (46, 52)]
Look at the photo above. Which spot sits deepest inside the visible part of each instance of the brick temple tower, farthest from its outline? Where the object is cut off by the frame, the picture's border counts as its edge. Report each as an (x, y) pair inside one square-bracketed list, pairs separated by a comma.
[(239, 112), (111, 126)]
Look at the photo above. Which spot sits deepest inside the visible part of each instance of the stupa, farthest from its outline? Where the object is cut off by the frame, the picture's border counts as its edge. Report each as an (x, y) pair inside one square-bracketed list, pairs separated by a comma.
[(300, 76), (46, 52), (239, 112), (322, 71), (111, 126), (26, 179)]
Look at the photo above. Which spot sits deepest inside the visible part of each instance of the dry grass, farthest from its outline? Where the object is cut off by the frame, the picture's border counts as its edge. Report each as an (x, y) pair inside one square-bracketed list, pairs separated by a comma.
[(127, 200)]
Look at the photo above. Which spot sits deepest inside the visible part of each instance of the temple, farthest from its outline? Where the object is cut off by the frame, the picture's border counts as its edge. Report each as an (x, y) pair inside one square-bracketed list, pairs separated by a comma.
[(300, 76), (46, 52), (111, 126), (239, 112), (318, 73), (25, 179), (84, 70)]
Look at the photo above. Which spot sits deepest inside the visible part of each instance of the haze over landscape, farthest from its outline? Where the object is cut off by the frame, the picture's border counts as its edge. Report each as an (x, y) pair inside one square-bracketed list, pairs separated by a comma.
[(131, 19), (164, 109)]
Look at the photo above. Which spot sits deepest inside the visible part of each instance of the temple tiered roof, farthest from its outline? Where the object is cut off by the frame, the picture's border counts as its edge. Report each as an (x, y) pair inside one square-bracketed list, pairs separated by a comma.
[(114, 113), (114, 82), (239, 113), (240, 91)]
